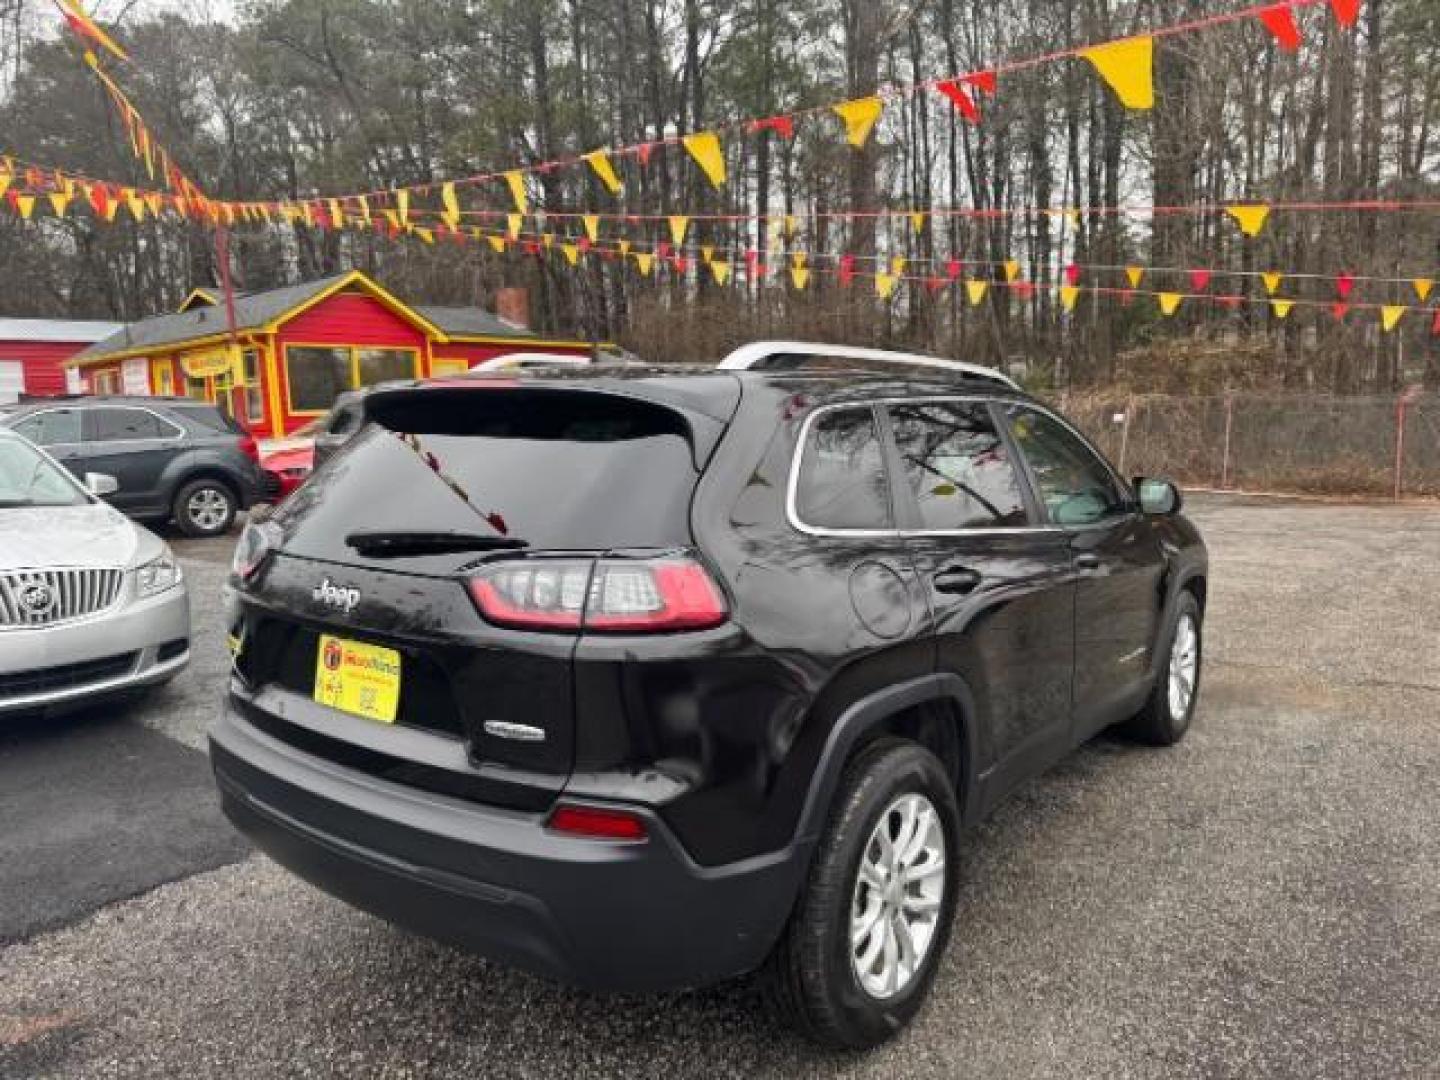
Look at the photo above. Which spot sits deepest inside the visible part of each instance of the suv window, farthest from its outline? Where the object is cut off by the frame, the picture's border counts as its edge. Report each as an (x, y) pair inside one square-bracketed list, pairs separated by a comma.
[(957, 465), (842, 482), (1076, 487), (52, 427), (206, 418), (117, 424)]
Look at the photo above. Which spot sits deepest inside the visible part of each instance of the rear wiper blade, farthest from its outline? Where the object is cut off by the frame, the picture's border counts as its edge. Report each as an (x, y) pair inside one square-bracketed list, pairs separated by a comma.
[(429, 543)]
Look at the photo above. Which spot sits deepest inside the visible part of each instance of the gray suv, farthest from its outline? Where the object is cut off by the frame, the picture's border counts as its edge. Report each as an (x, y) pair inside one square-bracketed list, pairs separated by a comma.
[(171, 458)]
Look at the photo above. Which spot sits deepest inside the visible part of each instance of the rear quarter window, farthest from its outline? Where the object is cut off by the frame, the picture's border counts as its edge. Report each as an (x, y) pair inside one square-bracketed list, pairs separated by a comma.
[(206, 419)]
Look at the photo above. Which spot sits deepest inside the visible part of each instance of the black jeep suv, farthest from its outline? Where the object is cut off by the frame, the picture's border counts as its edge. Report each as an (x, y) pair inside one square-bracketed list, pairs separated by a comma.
[(646, 678)]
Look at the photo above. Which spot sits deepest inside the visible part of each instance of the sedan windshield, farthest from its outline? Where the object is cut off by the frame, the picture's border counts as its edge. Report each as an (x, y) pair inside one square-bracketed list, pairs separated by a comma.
[(28, 479)]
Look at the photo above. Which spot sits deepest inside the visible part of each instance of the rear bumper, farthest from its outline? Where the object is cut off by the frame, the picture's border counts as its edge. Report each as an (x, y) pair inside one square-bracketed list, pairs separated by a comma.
[(604, 916), (142, 643)]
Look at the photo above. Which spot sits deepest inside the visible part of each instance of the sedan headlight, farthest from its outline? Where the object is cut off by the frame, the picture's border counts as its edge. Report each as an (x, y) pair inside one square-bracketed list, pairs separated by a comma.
[(157, 575)]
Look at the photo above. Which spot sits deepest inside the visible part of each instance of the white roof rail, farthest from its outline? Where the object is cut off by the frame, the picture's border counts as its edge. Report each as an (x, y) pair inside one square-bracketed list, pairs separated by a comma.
[(759, 355)]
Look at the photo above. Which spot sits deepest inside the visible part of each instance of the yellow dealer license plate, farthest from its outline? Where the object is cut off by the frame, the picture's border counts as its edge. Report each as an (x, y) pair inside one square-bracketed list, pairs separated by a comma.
[(358, 678)]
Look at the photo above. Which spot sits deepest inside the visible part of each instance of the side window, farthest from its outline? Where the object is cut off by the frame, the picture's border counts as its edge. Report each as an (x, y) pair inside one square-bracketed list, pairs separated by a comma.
[(957, 465), (1074, 484), (115, 425), (53, 427), (842, 482)]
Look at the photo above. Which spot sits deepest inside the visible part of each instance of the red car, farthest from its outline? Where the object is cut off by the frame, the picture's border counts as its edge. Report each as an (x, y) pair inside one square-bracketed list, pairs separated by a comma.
[(287, 463)]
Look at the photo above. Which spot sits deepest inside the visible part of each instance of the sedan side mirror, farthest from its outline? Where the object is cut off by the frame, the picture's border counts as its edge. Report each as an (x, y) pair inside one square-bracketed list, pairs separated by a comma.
[(1158, 497), (101, 483)]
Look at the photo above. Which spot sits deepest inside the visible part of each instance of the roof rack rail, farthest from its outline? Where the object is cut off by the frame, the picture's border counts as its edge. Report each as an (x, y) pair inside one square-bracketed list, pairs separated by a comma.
[(790, 355)]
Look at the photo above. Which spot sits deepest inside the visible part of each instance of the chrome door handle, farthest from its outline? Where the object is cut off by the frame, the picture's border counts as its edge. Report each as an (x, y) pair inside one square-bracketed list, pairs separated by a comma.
[(956, 580)]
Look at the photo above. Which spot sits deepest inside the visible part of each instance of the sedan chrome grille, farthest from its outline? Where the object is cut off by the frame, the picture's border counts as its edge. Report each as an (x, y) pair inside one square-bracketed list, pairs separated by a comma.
[(46, 597)]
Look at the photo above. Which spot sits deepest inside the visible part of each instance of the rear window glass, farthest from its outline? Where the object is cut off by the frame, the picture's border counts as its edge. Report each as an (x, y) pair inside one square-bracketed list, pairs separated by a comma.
[(558, 469), (206, 418), (127, 425), (842, 474)]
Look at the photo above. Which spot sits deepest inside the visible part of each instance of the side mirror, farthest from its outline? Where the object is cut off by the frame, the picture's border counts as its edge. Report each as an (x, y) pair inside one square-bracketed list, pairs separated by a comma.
[(1160, 498), (98, 483)]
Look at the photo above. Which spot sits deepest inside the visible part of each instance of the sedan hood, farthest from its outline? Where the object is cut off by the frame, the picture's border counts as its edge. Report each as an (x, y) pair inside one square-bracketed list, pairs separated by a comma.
[(52, 536)]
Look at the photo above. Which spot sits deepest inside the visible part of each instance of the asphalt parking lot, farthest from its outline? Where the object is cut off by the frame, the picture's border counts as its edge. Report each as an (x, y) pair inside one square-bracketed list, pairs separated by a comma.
[(1263, 900)]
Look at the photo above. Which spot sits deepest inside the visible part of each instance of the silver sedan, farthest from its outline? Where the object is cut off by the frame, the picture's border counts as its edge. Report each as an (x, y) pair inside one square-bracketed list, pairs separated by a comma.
[(91, 604)]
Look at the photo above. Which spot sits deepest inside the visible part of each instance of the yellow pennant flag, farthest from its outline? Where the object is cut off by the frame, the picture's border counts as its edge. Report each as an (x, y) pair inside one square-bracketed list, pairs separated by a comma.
[(452, 205), (707, 252), (571, 253), (917, 221), (392, 217), (592, 226), (497, 243), (153, 203), (425, 234), (1169, 302), (59, 201), (363, 203), (624, 248), (799, 277), (1390, 316), (884, 284), (5, 180), (402, 206), (1272, 282), (337, 215), (26, 205), (704, 147), (548, 239), (1251, 219), (1134, 275), (1127, 66), (512, 225), (644, 260), (1281, 308), (897, 265), (1012, 270), (791, 224), (721, 269), (600, 162), (976, 291), (135, 205), (1423, 285), (678, 224), (859, 116), (798, 260), (516, 179), (1069, 294)]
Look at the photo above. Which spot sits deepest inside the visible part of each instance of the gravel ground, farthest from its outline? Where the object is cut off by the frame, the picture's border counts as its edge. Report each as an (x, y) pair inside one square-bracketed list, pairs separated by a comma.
[(1263, 900)]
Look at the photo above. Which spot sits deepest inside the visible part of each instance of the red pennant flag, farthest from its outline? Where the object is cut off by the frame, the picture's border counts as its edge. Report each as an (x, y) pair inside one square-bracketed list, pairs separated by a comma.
[(662, 249), (953, 267), (583, 243), (960, 98), (1199, 280), (1344, 284), (1232, 302), (847, 269), (1280, 21), (1346, 11), (643, 152), (1435, 326), (1338, 310), (935, 283), (1072, 274), (1023, 289), (985, 81), (783, 126), (99, 199), (1127, 296), (531, 247)]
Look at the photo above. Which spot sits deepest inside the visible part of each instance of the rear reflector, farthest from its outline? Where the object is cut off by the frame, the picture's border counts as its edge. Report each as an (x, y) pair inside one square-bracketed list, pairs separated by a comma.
[(598, 824), (630, 596)]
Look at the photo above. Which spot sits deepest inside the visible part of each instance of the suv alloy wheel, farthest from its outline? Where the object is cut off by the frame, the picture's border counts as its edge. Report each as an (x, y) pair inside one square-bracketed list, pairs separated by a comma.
[(204, 508), (856, 961)]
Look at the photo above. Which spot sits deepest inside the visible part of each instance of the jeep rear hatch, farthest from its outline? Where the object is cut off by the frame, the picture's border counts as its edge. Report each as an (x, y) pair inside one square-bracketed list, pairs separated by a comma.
[(507, 497)]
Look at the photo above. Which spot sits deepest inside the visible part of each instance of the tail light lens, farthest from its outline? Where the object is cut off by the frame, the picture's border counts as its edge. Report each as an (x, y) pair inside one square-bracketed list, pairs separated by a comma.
[(256, 543), (632, 596)]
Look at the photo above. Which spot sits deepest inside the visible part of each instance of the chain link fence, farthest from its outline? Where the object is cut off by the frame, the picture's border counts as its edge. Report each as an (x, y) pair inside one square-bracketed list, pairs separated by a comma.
[(1308, 444)]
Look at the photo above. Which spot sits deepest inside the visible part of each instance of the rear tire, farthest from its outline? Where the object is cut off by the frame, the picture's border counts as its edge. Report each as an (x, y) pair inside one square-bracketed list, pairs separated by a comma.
[(1166, 716), (831, 974), (204, 507)]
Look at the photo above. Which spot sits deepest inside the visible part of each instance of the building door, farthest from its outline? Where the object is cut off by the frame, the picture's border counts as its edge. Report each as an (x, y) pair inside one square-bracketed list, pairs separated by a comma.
[(12, 381)]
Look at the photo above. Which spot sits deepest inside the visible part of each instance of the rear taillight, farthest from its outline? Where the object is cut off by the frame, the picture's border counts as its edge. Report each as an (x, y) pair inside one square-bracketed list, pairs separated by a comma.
[(631, 596), (596, 823), (256, 542)]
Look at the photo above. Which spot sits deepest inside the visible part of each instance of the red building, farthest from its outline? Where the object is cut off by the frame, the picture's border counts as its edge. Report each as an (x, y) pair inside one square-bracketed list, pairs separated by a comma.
[(32, 352), (296, 348)]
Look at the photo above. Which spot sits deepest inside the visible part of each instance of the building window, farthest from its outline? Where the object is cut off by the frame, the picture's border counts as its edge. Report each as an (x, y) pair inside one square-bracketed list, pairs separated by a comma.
[(254, 399), (106, 382), (317, 374)]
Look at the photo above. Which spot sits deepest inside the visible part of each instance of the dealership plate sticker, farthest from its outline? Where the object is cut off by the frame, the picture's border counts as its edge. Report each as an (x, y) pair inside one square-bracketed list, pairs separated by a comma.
[(358, 678)]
